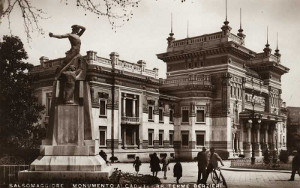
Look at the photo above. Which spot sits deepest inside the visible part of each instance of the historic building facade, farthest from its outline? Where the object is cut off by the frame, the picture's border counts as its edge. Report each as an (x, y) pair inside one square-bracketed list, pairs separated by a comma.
[(218, 93), (293, 127)]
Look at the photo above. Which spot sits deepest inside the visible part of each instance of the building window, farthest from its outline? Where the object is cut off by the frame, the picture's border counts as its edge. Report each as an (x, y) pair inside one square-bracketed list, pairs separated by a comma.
[(150, 113), (234, 91), (185, 114), (48, 103), (150, 137), (171, 116), (200, 138), (200, 116), (161, 137), (161, 116), (171, 137), (129, 107), (102, 107), (102, 136), (185, 138)]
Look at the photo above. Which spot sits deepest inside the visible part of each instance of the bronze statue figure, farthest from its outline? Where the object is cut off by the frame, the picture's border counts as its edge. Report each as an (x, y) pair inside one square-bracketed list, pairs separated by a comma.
[(70, 69)]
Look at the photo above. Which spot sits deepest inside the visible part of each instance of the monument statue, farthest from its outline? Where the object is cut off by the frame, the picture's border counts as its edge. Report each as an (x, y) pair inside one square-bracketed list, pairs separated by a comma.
[(74, 38), (68, 69), (71, 148)]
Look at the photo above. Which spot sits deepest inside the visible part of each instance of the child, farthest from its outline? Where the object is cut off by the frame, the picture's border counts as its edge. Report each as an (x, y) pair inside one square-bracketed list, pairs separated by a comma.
[(136, 164), (165, 161), (177, 170)]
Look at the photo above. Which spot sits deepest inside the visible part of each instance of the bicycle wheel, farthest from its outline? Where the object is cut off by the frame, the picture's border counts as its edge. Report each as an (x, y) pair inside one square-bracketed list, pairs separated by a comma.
[(223, 180), (214, 177)]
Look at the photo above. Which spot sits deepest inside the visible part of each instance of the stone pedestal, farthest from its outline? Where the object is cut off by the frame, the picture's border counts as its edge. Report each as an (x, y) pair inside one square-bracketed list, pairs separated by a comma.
[(257, 149), (247, 149), (264, 147), (70, 151)]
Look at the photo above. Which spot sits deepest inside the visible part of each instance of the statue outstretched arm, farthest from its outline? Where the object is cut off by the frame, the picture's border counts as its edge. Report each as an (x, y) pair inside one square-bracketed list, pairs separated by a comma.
[(58, 36)]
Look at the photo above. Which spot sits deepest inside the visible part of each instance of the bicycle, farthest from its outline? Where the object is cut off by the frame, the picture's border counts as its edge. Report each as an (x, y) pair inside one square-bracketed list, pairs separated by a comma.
[(217, 177)]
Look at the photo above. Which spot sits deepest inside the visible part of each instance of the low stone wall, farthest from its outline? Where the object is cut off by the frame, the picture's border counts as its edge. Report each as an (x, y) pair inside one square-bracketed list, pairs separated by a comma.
[(259, 164)]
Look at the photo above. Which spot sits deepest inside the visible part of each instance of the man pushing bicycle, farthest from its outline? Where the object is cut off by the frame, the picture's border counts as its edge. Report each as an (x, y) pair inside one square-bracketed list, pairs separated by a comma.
[(213, 163)]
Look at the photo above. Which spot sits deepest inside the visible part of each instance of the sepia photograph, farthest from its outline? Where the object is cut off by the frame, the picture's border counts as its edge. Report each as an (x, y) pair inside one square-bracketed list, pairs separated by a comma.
[(149, 93)]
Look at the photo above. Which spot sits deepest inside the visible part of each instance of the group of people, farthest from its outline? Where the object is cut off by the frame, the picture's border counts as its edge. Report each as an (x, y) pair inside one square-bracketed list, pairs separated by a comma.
[(156, 167), (155, 164), (207, 162)]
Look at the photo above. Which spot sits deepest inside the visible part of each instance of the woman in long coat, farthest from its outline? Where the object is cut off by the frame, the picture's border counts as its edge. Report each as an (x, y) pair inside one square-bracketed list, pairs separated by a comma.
[(177, 170), (154, 164)]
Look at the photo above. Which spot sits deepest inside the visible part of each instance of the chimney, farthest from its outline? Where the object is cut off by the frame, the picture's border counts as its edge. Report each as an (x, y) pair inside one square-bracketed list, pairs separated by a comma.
[(142, 63), (114, 57), (91, 55), (43, 59)]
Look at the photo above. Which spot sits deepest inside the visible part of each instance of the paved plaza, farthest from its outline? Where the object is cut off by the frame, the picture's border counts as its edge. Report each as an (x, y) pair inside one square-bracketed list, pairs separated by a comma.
[(234, 177)]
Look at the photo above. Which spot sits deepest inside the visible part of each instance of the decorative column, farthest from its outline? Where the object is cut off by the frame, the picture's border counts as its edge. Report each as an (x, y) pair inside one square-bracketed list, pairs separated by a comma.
[(257, 145), (134, 106), (272, 141), (134, 137), (247, 144), (238, 143), (124, 137), (275, 139), (124, 105), (265, 143), (233, 142)]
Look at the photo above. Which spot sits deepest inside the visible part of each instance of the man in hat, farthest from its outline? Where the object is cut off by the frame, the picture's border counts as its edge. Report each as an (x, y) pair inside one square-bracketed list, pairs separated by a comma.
[(295, 165)]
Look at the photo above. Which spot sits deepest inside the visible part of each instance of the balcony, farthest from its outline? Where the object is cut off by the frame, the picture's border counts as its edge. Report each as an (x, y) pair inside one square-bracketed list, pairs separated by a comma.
[(130, 120)]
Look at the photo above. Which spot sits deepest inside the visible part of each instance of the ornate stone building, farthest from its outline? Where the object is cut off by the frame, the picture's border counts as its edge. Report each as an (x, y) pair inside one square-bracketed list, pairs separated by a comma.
[(218, 93)]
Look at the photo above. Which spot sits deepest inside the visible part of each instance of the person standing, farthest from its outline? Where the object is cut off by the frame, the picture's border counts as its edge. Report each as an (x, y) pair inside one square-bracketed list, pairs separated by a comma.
[(154, 164), (202, 164), (177, 170), (165, 162), (104, 156), (213, 163), (295, 165), (136, 164)]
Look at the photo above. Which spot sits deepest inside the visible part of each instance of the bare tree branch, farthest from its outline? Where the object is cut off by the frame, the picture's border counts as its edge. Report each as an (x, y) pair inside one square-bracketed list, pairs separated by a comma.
[(30, 15), (114, 10)]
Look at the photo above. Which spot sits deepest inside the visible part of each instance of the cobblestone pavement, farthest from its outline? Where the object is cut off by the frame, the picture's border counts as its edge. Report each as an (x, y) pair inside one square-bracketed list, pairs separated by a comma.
[(233, 178)]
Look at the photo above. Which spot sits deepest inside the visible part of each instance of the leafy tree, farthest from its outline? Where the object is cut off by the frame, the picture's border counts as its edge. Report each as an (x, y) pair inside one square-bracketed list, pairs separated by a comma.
[(19, 109)]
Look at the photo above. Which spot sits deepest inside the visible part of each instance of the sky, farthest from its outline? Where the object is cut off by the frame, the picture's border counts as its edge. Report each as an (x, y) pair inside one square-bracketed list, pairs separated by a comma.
[(145, 34)]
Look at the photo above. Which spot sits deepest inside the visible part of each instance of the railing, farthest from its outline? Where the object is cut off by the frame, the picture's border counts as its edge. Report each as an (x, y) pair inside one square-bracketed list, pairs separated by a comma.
[(100, 61), (52, 63), (234, 38), (259, 164), (197, 40), (125, 66), (270, 58), (9, 173), (130, 120), (193, 79)]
